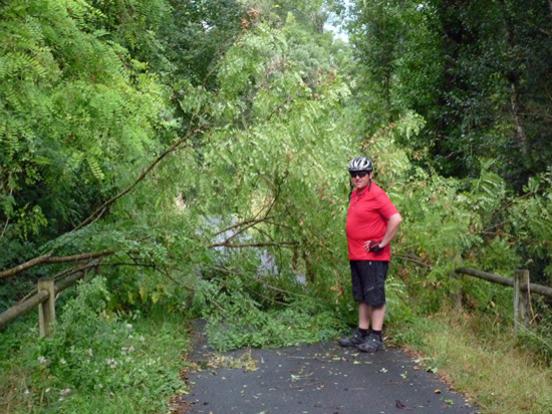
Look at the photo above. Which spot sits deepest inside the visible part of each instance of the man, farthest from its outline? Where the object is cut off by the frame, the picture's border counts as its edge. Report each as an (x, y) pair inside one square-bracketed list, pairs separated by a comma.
[(372, 222)]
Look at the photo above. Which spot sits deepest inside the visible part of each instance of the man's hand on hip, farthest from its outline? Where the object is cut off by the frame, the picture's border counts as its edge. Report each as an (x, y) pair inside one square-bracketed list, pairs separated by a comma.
[(373, 246)]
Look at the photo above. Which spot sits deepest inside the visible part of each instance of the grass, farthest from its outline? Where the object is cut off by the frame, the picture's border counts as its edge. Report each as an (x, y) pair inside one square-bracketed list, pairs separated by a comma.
[(107, 364), (490, 366)]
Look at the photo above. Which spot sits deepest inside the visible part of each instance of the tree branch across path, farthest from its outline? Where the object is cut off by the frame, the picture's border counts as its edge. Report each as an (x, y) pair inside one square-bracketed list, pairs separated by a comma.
[(48, 259), (101, 210), (96, 215)]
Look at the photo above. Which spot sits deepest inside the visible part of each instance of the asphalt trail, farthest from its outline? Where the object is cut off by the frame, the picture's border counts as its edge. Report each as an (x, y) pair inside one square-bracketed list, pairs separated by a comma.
[(316, 379)]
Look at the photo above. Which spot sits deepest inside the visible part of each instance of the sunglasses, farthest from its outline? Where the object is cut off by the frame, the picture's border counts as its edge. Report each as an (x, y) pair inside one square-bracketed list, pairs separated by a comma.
[(360, 174)]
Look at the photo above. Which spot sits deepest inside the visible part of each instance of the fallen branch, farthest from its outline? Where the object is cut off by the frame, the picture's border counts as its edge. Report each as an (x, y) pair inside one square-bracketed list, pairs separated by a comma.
[(48, 259), (247, 245), (101, 210), (96, 215), (247, 224)]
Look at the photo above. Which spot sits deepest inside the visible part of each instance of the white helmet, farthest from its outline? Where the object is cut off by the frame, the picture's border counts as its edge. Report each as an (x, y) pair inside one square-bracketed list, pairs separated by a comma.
[(360, 164)]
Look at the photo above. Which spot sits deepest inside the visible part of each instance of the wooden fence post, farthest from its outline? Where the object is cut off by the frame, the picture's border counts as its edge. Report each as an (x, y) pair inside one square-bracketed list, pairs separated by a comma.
[(458, 295), (521, 299), (46, 309)]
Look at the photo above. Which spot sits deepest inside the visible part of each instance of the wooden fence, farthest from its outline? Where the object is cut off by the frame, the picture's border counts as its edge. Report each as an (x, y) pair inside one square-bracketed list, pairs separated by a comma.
[(45, 297), (49, 289), (523, 289)]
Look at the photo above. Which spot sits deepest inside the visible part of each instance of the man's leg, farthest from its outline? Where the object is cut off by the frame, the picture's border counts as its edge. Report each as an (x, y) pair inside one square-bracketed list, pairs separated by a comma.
[(360, 334), (364, 310), (376, 295), (374, 341), (364, 316), (377, 317)]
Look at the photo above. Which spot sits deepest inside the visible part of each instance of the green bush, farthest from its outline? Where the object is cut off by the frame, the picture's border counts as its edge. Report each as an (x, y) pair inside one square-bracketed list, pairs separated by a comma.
[(96, 359)]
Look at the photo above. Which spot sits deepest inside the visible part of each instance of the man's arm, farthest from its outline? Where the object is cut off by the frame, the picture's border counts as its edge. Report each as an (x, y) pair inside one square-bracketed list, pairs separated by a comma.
[(392, 227)]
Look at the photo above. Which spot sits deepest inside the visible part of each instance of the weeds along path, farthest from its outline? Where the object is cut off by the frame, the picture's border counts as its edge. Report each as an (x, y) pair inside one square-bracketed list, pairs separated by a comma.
[(319, 378)]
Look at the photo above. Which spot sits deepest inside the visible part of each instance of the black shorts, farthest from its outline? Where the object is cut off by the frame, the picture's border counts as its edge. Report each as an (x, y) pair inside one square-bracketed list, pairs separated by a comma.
[(368, 279)]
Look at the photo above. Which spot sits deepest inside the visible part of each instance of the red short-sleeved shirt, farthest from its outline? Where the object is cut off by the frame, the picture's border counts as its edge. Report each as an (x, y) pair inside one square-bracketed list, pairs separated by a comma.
[(369, 211)]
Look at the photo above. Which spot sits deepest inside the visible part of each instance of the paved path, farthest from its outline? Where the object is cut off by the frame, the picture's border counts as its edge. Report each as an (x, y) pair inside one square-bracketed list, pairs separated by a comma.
[(316, 379)]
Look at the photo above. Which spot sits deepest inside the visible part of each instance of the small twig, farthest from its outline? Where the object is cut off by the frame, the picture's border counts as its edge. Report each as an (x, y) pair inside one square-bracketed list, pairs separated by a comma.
[(5, 227), (414, 260), (256, 220), (250, 222), (60, 275), (161, 269), (218, 305), (264, 233), (7, 219), (277, 289), (504, 208), (169, 276), (72, 270), (268, 298)]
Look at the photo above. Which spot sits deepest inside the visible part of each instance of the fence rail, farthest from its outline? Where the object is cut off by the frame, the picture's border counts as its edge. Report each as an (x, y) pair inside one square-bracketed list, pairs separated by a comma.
[(523, 289), (49, 289), (491, 277), (45, 297)]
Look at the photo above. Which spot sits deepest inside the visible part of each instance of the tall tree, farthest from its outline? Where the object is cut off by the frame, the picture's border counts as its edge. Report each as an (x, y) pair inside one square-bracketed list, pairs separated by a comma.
[(477, 72)]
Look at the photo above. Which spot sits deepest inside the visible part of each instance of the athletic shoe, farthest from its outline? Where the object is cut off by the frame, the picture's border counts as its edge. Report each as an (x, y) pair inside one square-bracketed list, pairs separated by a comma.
[(371, 344), (354, 340)]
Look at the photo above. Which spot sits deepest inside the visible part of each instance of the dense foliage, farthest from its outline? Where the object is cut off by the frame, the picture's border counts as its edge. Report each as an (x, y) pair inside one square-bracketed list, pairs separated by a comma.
[(247, 113), (476, 72)]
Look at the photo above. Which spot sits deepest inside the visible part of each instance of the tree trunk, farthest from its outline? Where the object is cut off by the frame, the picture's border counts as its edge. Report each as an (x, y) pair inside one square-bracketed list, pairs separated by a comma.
[(521, 137), (514, 77)]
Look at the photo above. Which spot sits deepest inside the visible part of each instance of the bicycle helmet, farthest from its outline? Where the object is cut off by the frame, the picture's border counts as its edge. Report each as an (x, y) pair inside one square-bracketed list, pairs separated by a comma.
[(360, 164)]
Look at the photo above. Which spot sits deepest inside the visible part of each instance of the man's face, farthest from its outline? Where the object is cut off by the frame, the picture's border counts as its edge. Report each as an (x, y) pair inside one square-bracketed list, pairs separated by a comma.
[(360, 179)]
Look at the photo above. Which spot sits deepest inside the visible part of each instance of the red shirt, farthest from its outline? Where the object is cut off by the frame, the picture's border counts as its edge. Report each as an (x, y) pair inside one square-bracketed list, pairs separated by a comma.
[(369, 211)]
